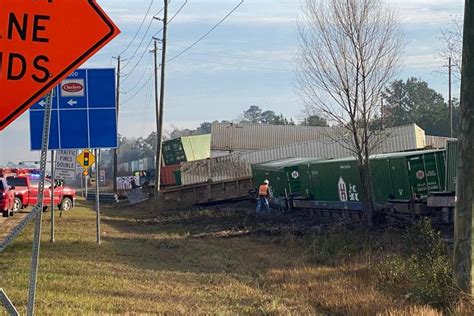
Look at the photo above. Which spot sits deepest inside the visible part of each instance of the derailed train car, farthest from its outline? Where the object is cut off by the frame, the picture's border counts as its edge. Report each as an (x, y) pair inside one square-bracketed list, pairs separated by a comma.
[(405, 182)]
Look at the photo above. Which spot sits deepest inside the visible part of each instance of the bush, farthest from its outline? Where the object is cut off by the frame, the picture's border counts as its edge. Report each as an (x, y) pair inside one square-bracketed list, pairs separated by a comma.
[(422, 271)]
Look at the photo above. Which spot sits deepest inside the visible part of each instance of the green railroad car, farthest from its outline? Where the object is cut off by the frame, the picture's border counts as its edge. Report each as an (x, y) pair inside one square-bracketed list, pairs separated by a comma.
[(412, 174), (451, 164), (284, 175), (332, 180), (397, 176), (188, 148)]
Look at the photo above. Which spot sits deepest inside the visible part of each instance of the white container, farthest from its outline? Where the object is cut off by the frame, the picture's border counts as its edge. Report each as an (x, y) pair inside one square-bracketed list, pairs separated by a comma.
[(250, 137), (244, 137), (236, 165), (437, 142), (214, 169)]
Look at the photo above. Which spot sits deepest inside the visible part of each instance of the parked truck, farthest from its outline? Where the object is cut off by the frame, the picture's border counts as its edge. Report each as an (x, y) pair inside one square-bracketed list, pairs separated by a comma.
[(26, 192), (6, 198)]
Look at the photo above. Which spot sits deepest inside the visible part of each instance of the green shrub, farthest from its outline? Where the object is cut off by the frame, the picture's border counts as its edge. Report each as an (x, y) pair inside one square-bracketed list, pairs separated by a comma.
[(422, 271)]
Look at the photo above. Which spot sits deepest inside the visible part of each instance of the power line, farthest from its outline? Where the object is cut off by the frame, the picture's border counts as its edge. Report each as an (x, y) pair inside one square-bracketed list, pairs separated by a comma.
[(207, 33), (172, 18), (233, 56), (151, 40), (139, 29), (139, 81), (139, 90), (143, 38), (238, 65)]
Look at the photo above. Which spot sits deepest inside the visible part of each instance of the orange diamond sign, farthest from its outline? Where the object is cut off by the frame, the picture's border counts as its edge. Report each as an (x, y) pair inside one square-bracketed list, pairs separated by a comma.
[(41, 43)]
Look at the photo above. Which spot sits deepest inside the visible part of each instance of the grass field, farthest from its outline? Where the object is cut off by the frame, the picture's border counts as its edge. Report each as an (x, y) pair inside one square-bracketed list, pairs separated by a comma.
[(189, 262)]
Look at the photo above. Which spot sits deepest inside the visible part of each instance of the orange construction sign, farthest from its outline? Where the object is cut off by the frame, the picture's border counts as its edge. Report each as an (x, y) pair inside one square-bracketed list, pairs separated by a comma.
[(41, 43)]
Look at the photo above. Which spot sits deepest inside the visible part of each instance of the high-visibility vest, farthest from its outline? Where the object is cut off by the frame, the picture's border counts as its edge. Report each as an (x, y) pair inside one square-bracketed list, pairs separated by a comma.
[(263, 190)]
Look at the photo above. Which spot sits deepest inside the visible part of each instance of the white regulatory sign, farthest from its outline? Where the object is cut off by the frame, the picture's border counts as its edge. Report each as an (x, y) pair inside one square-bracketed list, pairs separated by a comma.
[(65, 165)]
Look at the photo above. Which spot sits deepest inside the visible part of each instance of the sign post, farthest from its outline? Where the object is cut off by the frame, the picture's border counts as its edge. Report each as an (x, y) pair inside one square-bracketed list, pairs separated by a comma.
[(38, 210), (52, 196), (97, 191)]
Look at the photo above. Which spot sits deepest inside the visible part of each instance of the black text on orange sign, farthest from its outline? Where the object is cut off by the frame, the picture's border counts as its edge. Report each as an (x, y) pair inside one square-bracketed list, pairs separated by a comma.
[(25, 27)]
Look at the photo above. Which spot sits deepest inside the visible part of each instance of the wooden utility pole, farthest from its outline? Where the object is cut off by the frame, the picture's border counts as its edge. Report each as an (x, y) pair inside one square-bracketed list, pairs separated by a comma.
[(157, 113), (118, 107), (159, 130), (450, 101), (465, 173)]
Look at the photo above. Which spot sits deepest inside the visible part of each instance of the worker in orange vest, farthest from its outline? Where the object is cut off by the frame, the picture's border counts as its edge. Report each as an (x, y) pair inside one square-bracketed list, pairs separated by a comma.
[(263, 196)]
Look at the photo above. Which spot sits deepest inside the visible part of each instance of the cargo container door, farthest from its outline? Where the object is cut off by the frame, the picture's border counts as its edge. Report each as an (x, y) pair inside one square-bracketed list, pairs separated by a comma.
[(399, 178), (433, 171), (451, 163), (306, 181), (441, 163), (316, 189), (381, 182), (423, 174), (294, 180)]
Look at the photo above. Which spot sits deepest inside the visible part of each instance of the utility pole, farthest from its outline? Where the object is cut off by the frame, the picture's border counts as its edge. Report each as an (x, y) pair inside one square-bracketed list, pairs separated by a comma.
[(382, 110), (157, 113), (450, 101), (118, 107), (159, 126), (465, 173)]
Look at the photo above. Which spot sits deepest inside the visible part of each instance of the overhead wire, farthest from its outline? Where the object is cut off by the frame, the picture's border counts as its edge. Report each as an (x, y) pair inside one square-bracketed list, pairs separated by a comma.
[(139, 29), (151, 40), (139, 90), (240, 66), (129, 59), (139, 81), (206, 34), (238, 56), (147, 103)]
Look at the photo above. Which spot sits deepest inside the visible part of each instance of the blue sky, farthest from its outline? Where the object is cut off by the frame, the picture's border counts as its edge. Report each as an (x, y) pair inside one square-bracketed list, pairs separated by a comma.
[(248, 60)]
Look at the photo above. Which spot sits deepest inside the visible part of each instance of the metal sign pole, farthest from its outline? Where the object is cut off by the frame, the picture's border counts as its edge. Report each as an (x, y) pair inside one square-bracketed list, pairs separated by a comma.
[(97, 199), (38, 210), (86, 184), (52, 196), (82, 184)]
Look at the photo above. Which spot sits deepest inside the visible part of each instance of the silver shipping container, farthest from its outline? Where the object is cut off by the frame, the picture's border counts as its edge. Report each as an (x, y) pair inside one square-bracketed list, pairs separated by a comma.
[(401, 138), (246, 137), (235, 165), (250, 137), (437, 142), (215, 169)]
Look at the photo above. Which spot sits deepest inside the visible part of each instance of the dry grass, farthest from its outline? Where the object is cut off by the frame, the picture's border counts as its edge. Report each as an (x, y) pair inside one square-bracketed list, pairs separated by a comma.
[(169, 266)]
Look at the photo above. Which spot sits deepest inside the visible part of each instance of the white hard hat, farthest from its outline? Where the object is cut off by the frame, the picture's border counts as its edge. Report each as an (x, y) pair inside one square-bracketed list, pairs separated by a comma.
[(266, 182)]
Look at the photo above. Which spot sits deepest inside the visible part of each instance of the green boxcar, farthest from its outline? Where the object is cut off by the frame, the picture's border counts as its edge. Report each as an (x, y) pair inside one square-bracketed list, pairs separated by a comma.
[(451, 163), (333, 180), (409, 174), (284, 175), (394, 176), (188, 148)]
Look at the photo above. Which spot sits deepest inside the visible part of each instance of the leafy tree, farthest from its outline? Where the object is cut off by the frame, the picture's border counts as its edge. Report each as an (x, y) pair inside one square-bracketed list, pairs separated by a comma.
[(314, 120), (414, 101), (256, 115), (252, 115), (204, 128)]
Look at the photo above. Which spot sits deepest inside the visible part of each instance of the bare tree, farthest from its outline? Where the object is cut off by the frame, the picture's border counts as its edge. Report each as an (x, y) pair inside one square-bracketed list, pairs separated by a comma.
[(349, 51), (451, 38)]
